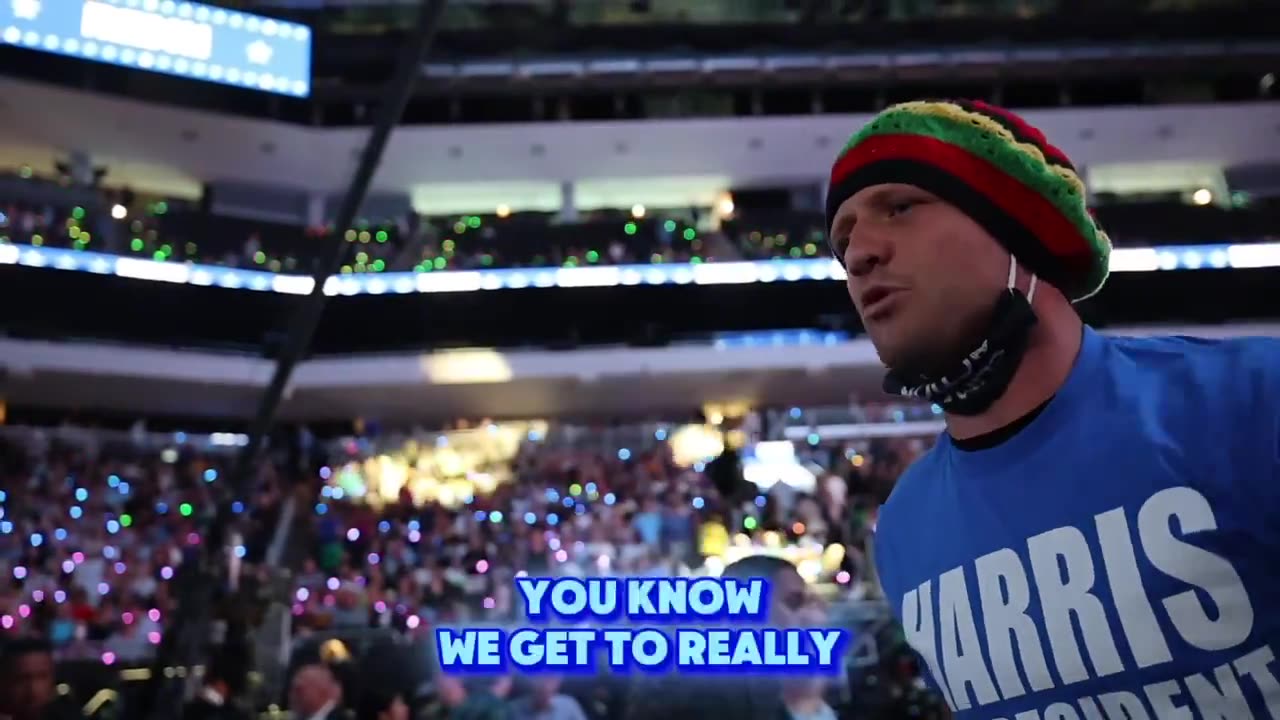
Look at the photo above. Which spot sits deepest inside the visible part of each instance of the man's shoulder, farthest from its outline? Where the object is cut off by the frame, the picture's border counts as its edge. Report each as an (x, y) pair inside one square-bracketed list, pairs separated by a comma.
[(1231, 381), (1180, 354), (897, 521), (914, 480)]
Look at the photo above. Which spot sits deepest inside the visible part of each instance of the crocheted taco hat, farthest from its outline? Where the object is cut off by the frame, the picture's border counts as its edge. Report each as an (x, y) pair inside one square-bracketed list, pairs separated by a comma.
[(997, 169)]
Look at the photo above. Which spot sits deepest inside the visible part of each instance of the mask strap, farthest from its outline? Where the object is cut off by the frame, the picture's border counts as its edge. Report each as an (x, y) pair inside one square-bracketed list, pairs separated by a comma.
[(1013, 278)]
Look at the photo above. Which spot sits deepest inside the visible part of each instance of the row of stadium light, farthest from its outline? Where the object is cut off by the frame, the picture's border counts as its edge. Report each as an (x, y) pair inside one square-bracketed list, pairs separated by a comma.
[(1181, 257), (266, 27), (160, 62)]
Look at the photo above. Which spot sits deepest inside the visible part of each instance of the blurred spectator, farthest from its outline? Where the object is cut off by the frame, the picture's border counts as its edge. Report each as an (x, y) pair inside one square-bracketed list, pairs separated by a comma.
[(545, 702), (315, 693), (26, 681)]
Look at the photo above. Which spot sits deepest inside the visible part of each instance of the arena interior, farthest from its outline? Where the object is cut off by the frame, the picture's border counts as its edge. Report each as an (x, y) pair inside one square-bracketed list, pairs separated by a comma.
[(322, 320)]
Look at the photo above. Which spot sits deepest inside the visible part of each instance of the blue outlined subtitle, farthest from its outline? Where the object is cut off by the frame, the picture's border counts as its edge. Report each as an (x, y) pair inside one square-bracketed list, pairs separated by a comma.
[(645, 599), (705, 649), (688, 650)]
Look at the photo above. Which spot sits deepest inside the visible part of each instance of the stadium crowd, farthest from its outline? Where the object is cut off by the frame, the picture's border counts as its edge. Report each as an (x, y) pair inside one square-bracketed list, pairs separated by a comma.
[(93, 531), (120, 223), (92, 535), (610, 510)]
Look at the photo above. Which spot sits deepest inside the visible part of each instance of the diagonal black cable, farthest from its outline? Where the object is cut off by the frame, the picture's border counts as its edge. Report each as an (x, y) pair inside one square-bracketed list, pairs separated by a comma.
[(187, 637)]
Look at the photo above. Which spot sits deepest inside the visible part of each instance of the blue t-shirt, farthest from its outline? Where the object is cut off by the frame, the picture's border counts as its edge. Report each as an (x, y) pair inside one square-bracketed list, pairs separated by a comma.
[(1116, 559)]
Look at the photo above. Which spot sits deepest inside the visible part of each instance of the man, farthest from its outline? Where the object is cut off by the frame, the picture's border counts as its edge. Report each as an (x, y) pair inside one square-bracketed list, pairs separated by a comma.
[(26, 680), (792, 603), (315, 693), (1096, 534)]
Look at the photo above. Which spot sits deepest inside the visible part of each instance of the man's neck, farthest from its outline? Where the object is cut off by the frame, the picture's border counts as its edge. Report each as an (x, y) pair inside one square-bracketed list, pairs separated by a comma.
[(1051, 353)]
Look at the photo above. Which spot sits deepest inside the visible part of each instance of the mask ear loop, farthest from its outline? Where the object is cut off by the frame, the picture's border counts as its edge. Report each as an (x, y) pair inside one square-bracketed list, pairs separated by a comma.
[(1013, 278)]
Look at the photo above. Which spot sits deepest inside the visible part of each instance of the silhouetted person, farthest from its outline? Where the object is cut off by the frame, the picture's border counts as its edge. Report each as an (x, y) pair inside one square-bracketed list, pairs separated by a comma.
[(27, 681), (315, 694)]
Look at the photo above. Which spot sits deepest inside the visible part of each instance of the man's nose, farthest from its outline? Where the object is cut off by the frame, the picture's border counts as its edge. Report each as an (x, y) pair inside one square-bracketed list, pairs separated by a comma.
[(867, 249)]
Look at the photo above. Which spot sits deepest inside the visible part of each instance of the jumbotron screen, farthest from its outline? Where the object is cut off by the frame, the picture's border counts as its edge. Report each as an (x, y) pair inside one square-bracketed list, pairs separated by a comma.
[(185, 39)]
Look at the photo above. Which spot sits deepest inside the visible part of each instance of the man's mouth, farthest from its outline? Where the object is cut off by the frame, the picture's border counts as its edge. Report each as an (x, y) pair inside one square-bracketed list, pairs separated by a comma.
[(877, 299)]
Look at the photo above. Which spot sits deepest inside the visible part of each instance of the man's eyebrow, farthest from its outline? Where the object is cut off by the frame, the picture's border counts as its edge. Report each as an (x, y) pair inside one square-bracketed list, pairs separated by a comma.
[(883, 196), (874, 199), (843, 224)]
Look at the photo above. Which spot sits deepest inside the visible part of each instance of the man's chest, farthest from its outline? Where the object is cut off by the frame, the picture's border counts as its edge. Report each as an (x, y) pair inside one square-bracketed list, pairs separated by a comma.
[(1135, 591)]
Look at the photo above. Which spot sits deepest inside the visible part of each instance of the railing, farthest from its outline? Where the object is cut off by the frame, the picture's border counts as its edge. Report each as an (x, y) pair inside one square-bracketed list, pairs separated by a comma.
[(38, 438), (820, 64), (273, 643), (628, 439), (486, 14)]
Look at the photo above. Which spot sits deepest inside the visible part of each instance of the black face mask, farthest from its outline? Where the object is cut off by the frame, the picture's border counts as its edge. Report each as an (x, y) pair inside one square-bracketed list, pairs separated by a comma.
[(985, 372)]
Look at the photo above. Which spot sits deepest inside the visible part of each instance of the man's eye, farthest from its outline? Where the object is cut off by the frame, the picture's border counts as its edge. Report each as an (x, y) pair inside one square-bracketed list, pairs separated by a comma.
[(898, 208)]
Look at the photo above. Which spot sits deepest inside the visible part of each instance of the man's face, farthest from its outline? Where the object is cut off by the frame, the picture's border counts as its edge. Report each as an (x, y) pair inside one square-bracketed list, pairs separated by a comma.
[(311, 689), (30, 685), (923, 276), (794, 603)]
